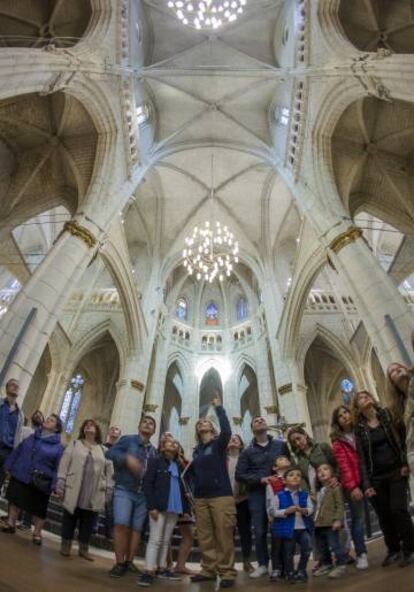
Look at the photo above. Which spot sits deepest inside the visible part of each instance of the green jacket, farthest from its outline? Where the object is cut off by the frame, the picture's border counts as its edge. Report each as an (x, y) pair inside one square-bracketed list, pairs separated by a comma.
[(320, 454), (329, 506)]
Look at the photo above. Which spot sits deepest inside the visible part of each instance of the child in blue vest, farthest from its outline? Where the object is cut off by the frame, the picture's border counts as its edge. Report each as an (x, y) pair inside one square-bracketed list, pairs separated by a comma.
[(292, 524)]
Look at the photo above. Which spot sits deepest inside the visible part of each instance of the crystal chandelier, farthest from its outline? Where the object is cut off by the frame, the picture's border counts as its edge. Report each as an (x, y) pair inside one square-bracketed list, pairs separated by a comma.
[(207, 14), (211, 250)]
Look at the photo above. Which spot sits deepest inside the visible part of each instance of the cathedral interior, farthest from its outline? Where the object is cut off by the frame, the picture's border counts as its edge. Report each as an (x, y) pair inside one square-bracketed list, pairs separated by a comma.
[(125, 131)]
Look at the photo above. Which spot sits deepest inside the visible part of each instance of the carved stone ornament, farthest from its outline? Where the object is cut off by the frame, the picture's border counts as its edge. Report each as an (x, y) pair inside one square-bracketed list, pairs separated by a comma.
[(81, 232), (237, 421), (183, 420), (286, 388), (137, 385), (149, 408), (272, 409), (345, 238)]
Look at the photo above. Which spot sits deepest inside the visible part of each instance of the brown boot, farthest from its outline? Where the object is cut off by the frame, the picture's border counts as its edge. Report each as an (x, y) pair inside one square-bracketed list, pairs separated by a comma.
[(84, 552), (65, 547)]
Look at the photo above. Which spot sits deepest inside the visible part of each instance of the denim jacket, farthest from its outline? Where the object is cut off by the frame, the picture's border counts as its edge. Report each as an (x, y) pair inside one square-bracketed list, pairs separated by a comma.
[(135, 446)]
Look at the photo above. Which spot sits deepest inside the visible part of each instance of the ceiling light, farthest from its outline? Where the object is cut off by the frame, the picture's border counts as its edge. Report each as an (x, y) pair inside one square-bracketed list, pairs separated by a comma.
[(207, 14)]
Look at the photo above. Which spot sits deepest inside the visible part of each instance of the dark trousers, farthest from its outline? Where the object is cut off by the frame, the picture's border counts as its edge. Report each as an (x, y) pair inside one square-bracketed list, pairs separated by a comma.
[(244, 526), (277, 555), (257, 507), (391, 506), (86, 520), (288, 546), (4, 455), (327, 542)]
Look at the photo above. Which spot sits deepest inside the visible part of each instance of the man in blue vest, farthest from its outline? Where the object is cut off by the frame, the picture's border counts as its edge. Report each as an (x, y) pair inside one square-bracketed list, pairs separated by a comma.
[(253, 469), (11, 424)]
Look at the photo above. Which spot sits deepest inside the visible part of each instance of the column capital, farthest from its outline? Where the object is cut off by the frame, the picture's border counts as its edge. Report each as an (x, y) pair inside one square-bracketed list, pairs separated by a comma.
[(137, 384), (285, 388), (271, 409), (237, 421), (184, 420), (352, 234), (149, 408), (76, 229)]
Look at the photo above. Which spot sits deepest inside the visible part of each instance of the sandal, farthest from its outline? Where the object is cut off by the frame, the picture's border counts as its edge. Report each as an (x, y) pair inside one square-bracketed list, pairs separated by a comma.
[(7, 529), (37, 540)]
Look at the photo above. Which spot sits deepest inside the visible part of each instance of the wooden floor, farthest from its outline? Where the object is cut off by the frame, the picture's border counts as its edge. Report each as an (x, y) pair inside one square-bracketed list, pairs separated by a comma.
[(26, 568)]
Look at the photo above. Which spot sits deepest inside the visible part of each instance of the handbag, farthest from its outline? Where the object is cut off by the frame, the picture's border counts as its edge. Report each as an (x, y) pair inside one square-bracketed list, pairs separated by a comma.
[(41, 482)]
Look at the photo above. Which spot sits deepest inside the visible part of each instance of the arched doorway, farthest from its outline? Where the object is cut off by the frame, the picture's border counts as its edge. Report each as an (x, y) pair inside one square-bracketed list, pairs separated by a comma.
[(210, 383), (92, 388), (249, 400), (171, 410)]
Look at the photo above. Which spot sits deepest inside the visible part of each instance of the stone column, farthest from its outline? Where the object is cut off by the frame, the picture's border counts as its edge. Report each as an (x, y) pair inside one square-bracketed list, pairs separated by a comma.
[(292, 391), (46, 292), (129, 398), (387, 319)]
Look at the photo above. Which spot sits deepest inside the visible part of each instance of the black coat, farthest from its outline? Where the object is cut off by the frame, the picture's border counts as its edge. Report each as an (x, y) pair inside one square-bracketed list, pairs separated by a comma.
[(256, 462), (157, 485), (395, 435)]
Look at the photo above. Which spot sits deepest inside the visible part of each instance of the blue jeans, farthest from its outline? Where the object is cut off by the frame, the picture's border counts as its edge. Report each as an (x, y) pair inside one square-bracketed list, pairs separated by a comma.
[(357, 525), (130, 508), (257, 507), (327, 542), (303, 540)]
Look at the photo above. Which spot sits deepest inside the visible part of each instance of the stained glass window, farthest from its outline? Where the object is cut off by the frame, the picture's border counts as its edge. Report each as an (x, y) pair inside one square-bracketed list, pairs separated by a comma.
[(71, 403), (212, 314), (347, 389), (181, 309), (242, 309)]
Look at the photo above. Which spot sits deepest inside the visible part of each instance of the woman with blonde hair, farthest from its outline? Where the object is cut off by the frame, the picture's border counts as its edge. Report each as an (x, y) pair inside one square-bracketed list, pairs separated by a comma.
[(401, 399), (383, 461), (214, 505)]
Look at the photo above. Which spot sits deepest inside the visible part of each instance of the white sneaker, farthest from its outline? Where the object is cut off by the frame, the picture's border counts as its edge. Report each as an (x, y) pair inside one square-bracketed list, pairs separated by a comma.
[(362, 561), (260, 571), (337, 572)]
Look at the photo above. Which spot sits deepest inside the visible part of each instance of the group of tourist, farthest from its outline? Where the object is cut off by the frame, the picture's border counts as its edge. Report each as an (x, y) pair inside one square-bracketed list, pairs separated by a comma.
[(299, 489)]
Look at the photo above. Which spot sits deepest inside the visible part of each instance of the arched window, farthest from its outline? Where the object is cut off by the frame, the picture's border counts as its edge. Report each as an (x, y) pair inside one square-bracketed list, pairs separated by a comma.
[(242, 311), (181, 309), (347, 389), (212, 313), (71, 403)]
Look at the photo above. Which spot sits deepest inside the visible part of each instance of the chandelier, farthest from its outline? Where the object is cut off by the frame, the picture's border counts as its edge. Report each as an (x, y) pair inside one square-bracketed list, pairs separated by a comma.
[(207, 14), (211, 250)]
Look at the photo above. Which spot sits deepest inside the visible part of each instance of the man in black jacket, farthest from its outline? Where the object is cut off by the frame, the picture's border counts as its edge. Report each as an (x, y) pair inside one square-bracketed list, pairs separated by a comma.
[(253, 467)]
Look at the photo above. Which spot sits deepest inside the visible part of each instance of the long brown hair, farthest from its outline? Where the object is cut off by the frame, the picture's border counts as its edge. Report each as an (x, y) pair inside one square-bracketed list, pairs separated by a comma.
[(98, 432), (397, 398), (356, 413), (336, 430), (303, 432)]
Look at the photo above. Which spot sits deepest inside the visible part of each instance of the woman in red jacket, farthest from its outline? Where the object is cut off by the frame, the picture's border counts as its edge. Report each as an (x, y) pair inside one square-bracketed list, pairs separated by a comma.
[(345, 451)]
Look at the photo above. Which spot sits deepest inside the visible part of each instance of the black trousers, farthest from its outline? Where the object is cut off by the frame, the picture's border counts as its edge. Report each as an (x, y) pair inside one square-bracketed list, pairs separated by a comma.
[(4, 455), (391, 506), (86, 520), (244, 526)]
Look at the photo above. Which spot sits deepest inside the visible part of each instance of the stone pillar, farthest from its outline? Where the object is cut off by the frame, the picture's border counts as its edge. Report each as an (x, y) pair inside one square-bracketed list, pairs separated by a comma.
[(46, 291), (129, 398), (291, 391), (387, 319)]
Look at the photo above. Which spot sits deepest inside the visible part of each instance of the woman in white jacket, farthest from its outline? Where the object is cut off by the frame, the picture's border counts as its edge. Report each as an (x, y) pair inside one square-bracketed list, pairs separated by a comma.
[(84, 484)]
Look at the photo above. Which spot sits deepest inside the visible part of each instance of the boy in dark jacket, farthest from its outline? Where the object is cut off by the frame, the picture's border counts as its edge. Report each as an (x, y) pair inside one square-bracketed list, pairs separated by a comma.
[(253, 468), (292, 525)]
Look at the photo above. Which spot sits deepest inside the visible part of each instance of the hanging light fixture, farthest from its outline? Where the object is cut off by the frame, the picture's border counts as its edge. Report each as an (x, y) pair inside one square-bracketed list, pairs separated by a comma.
[(211, 250), (207, 14)]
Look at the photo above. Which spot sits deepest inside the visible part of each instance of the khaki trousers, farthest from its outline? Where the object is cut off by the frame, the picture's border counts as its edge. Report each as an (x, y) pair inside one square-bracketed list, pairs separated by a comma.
[(215, 522)]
